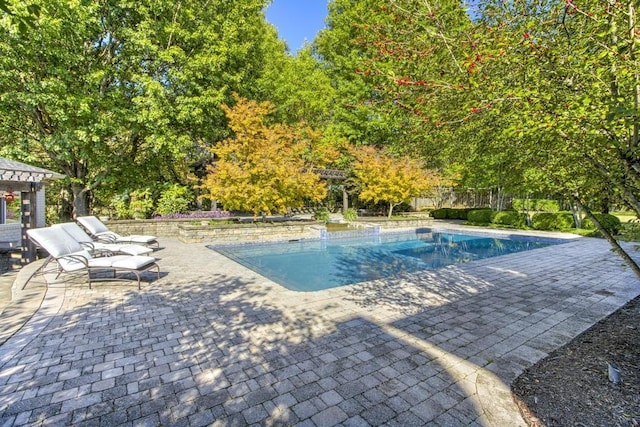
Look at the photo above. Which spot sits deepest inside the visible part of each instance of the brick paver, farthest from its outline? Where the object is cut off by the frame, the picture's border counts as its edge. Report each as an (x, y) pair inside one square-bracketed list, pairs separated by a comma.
[(212, 343)]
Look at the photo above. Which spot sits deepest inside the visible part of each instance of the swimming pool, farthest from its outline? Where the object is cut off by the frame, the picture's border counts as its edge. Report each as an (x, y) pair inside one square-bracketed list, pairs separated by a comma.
[(313, 265)]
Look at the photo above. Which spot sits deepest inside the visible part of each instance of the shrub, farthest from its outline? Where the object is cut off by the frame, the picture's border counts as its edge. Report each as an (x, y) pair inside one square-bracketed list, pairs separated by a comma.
[(451, 213), (611, 223), (552, 221), (350, 214), (456, 214), (174, 199), (120, 205), (480, 216), (510, 218), (140, 203), (440, 213), (322, 215), (464, 213)]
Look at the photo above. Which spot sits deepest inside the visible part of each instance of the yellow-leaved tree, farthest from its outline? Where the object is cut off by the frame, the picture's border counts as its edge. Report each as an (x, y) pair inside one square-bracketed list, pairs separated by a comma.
[(393, 180), (263, 168)]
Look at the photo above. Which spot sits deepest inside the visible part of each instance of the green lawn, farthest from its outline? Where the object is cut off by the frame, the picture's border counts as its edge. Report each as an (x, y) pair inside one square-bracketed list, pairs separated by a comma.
[(624, 216)]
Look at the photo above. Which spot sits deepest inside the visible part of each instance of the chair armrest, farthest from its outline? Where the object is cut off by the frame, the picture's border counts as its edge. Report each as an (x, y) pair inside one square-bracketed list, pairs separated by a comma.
[(75, 258), (88, 246), (106, 237)]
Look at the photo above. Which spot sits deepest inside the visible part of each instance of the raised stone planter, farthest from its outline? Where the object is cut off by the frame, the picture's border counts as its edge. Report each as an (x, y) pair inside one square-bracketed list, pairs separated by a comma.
[(193, 233), (384, 223), (151, 227), (196, 231)]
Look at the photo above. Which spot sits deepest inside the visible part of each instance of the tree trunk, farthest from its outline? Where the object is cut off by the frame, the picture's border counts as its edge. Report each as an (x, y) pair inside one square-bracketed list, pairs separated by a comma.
[(605, 203), (80, 200), (614, 243), (635, 141), (65, 205), (345, 200), (501, 198), (390, 210), (576, 211)]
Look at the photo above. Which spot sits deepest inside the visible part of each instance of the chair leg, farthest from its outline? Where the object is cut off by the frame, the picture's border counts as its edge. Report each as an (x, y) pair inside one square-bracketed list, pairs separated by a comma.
[(38, 271), (138, 276)]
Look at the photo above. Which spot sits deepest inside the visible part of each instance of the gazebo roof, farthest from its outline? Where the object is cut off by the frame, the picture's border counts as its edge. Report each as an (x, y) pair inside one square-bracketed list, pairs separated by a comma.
[(11, 170), (17, 175), (331, 173)]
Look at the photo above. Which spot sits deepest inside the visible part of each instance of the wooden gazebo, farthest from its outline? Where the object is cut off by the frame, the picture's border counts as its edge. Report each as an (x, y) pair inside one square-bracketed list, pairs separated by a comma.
[(338, 175), (28, 180)]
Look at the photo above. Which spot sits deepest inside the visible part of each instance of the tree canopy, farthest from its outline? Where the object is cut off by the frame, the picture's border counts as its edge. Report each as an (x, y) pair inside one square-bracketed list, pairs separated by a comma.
[(525, 98), (264, 168), (381, 177), (116, 93), (549, 86)]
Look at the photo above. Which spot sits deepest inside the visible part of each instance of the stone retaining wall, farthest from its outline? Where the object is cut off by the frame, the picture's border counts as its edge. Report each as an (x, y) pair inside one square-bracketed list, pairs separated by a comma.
[(189, 233), (150, 227), (196, 231), (396, 223)]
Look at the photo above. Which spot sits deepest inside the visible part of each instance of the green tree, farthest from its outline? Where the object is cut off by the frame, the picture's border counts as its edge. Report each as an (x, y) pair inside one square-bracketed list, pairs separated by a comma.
[(556, 79), (262, 167), (343, 50), (21, 14), (299, 87), (580, 101), (116, 94), (393, 180)]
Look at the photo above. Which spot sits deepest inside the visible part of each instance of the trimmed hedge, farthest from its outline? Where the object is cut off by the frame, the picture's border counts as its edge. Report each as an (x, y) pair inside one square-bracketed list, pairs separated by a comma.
[(510, 218), (451, 213), (610, 222), (552, 221), (548, 221), (458, 213), (439, 213), (480, 216)]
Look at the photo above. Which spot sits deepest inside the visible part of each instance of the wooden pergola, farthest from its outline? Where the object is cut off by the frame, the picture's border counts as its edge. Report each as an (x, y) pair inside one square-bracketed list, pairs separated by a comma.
[(338, 175), (28, 180)]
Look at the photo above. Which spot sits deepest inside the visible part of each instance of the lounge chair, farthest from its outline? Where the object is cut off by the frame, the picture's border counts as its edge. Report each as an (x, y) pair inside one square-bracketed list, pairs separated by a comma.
[(100, 232), (72, 257), (99, 248)]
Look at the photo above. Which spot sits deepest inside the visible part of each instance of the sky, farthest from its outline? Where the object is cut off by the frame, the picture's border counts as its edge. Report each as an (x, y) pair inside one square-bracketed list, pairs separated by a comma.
[(297, 20)]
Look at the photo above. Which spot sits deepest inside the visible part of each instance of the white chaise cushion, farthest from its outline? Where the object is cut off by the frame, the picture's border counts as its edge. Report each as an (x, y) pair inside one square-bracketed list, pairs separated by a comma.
[(130, 262), (74, 261), (54, 242), (125, 249), (134, 238)]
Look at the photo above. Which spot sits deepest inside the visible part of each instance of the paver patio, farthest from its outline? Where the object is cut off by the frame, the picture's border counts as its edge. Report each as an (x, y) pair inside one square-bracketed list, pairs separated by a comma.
[(212, 343)]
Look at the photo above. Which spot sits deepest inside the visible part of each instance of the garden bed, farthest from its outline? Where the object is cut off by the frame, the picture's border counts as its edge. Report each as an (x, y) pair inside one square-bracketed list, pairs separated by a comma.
[(571, 386)]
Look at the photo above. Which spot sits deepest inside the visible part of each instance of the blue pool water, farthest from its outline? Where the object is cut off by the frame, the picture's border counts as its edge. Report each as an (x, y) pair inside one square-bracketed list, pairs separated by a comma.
[(313, 265)]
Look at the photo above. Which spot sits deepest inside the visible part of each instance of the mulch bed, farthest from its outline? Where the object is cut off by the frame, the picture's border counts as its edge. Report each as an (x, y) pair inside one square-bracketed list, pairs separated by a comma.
[(571, 387)]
